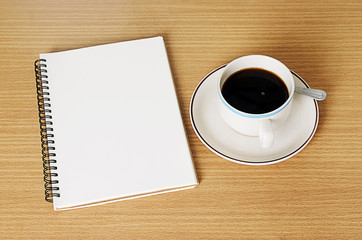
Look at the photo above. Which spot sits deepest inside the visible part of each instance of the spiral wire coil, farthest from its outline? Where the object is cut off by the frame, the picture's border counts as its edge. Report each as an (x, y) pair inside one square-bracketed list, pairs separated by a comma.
[(46, 131)]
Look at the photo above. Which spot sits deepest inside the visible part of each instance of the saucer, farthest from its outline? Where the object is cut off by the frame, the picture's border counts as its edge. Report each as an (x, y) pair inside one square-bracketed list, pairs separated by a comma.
[(221, 139)]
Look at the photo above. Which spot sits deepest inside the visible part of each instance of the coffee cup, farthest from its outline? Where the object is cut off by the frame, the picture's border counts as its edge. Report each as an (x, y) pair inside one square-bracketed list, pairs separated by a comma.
[(255, 96)]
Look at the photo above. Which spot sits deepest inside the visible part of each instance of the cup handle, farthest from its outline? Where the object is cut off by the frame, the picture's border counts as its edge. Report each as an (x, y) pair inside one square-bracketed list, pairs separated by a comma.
[(266, 135)]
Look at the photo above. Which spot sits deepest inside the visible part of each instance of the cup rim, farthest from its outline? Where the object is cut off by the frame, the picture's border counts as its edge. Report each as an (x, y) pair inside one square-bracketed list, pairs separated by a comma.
[(252, 115)]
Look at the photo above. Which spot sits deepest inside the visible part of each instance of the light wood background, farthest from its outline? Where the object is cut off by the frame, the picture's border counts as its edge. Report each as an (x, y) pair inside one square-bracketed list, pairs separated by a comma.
[(315, 195)]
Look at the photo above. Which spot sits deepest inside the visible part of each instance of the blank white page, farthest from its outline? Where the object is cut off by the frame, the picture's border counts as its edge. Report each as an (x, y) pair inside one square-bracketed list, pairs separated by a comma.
[(117, 125)]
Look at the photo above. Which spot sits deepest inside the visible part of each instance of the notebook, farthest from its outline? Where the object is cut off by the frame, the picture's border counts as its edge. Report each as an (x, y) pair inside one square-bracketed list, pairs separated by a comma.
[(111, 127)]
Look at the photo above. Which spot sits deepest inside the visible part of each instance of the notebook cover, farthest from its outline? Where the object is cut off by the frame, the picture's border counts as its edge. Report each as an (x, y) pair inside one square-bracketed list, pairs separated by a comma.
[(117, 126)]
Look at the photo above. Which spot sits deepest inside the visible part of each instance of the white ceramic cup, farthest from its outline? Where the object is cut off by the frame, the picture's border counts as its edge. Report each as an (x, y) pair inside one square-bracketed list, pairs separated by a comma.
[(262, 125)]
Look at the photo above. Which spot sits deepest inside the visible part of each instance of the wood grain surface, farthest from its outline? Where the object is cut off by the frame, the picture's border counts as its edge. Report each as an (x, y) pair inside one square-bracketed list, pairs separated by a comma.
[(317, 194)]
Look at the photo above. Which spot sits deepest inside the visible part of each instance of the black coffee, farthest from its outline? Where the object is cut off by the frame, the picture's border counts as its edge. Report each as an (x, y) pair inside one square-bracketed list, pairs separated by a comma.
[(255, 91)]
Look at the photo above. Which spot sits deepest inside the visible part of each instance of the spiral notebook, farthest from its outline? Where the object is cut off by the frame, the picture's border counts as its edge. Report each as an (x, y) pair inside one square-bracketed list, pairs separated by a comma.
[(111, 127)]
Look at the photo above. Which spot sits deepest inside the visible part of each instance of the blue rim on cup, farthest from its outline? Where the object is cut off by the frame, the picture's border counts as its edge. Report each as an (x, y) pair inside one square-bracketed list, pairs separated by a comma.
[(264, 115)]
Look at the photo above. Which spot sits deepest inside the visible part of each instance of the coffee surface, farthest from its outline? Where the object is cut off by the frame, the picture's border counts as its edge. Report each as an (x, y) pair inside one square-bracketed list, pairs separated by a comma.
[(255, 91)]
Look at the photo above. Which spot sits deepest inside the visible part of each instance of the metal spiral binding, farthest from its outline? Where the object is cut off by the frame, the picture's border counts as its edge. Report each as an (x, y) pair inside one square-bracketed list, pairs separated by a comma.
[(46, 131)]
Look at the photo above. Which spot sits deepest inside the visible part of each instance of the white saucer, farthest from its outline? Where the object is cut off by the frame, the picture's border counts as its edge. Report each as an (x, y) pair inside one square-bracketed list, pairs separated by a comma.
[(215, 134)]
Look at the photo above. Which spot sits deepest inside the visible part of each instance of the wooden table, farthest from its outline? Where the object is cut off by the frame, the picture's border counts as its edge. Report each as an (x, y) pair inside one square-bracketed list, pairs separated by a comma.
[(317, 194)]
